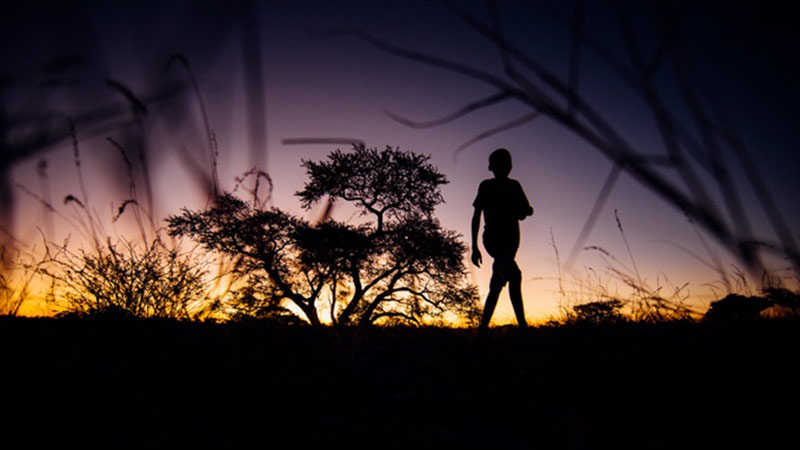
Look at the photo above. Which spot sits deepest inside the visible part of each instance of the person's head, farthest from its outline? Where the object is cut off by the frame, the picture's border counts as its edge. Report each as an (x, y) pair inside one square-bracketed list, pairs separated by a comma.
[(500, 163)]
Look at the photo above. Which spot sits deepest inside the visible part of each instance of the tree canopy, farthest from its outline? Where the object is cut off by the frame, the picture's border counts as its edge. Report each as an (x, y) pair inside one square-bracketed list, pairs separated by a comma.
[(400, 266), (391, 182)]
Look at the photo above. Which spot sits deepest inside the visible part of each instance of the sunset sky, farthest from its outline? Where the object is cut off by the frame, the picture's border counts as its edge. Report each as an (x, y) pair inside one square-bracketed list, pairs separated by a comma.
[(742, 56)]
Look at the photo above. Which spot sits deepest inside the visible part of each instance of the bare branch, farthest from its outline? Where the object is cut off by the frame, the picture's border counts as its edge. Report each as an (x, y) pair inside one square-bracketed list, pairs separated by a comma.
[(321, 141), (396, 314), (461, 112), (575, 54), (462, 69), (599, 204), (498, 129)]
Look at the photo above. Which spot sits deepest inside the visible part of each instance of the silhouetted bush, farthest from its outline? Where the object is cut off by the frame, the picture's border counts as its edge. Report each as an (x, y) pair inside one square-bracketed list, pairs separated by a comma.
[(124, 279), (783, 301), (608, 311), (735, 306)]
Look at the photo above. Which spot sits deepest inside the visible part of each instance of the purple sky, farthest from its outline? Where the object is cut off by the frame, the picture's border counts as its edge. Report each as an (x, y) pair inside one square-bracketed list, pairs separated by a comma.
[(341, 86)]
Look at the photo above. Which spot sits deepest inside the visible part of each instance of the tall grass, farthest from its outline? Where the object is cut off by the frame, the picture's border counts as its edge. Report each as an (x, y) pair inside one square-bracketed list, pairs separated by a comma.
[(619, 291), (102, 271), (18, 276)]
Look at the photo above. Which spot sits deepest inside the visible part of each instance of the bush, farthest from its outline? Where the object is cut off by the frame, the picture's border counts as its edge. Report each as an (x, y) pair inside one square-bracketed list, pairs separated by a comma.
[(735, 306), (774, 302), (784, 302), (607, 311), (124, 279)]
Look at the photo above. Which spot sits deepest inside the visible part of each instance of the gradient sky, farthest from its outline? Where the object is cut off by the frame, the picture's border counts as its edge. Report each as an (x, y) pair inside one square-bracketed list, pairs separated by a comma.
[(744, 55)]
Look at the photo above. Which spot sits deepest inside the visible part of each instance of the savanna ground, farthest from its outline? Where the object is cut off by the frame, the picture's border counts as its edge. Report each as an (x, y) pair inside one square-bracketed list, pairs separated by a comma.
[(137, 383)]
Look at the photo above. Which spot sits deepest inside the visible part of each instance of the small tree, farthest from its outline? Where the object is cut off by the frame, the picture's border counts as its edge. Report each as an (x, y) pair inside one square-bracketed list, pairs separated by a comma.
[(401, 266)]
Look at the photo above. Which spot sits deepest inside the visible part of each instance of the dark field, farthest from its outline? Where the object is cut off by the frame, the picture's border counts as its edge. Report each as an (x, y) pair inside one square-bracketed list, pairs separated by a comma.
[(163, 384)]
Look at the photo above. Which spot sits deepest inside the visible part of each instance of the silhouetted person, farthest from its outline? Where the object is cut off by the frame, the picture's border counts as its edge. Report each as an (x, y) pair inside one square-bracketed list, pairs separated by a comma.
[(503, 204)]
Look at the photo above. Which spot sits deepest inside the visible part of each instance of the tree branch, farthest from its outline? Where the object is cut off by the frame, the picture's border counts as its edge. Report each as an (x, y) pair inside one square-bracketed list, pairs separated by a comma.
[(459, 113), (496, 130)]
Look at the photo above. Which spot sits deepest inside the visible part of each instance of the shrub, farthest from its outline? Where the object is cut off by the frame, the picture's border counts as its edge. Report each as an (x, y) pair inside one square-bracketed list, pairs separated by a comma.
[(124, 279), (608, 311), (735, 306)]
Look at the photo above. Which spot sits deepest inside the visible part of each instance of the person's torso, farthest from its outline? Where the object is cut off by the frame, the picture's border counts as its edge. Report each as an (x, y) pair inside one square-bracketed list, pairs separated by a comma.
[(502, 206)]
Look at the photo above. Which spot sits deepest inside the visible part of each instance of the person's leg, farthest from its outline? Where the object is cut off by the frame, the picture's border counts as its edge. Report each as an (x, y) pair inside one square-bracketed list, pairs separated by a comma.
[(495, 287), (511, 270), (515, 292), (488, 307)]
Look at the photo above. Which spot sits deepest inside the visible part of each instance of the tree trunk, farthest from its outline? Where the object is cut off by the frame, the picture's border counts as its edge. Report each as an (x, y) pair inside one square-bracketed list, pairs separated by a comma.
[(366, 318), (312, 316), (344, 318), (308, 309)]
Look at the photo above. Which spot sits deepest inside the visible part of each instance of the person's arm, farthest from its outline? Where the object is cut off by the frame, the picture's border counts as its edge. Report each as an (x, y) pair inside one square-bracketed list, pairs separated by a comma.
[(527, 209), (477, 259)]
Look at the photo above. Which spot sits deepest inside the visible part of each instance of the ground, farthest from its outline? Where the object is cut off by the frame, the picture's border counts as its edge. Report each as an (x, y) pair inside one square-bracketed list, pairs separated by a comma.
[(164, 384)]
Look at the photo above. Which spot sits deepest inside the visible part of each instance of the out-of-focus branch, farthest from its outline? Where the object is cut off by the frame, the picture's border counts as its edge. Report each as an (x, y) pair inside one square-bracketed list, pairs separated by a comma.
[(459, 113), (511, 124)]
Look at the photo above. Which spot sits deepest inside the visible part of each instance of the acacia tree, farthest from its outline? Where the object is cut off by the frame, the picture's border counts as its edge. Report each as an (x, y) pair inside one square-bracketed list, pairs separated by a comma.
[(398, 266)]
